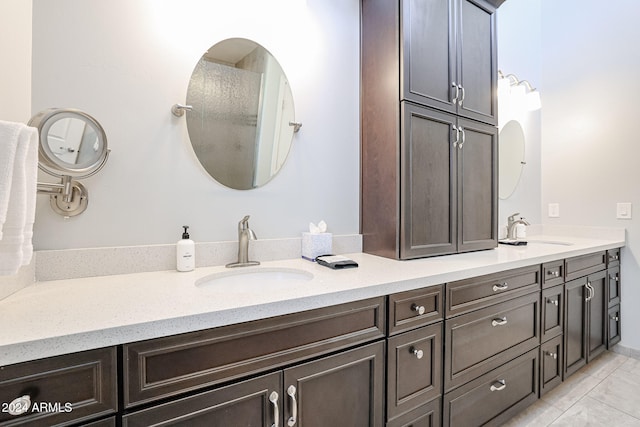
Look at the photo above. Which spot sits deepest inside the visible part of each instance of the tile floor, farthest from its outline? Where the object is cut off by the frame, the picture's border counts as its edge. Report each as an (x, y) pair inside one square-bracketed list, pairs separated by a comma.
[(604, 393)]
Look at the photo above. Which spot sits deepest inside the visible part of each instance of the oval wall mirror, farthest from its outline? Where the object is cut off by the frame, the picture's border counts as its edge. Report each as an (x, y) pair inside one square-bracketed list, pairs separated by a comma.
[(71, 142), (241, 117), (511, 158)]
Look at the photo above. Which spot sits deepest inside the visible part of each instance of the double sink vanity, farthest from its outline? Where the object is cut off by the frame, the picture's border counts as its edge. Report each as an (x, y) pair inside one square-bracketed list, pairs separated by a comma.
[(466, 339)]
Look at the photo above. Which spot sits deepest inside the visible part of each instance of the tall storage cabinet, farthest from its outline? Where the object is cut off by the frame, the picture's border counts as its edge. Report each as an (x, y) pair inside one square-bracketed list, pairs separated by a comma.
[(429, 141)]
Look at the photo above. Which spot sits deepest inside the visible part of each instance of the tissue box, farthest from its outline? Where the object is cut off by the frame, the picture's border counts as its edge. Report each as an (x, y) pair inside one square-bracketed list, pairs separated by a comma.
[(316, 244)]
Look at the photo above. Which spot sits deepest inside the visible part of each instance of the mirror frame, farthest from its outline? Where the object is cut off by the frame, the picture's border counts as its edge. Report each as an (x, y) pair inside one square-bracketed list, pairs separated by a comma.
[(49, 162)]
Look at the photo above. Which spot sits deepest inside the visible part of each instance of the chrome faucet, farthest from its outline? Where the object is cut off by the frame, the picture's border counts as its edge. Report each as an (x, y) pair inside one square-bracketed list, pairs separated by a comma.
[(244, 235), (512, 223)]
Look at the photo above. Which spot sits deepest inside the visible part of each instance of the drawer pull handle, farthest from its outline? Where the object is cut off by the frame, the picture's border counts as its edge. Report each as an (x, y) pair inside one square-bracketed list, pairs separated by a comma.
[(553, 273), (500, 287), (19, 405), (552, 301), (554, 355), (614, 318), (291, 391), (499, 322), (419, 309), (498, 385), (591, 290), (417, 353), (273, 398)]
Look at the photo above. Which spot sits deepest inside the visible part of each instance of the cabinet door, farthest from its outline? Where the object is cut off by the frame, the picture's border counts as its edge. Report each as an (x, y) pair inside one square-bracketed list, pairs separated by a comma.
[(550, 364), (598, 309), (254, 402), (552, 312), (428, 183), (477, 66), (575, 315), (342, 390), (414, 369), (477, 186), (614, 326), (428, 53), (614, 286)]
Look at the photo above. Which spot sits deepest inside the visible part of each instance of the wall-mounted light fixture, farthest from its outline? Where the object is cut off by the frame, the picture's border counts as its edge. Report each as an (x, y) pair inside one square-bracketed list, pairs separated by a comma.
[(522, 94)]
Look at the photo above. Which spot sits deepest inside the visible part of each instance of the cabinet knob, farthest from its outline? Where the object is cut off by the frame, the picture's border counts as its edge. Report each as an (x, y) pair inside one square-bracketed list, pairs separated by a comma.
[(273, 398), (499, 322), (419, 309), (500, 287), (417, 353), (498, 385), (552, 301), (554, 355), (19, 405), (554, 273), (614, 318)]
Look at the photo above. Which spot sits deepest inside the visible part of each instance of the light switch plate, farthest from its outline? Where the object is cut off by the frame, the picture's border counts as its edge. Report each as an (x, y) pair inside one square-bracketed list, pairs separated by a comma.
[(554, 210), (623, 211)]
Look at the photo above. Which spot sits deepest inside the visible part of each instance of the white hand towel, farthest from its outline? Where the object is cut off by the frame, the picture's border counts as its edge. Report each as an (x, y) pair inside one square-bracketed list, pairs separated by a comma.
[(22, 193), (9, 133)]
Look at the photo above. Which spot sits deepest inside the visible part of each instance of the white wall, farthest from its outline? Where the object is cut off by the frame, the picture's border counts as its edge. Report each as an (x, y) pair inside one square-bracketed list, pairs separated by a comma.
[(590, 151), (127, 62), (519, 53), (15, 50)]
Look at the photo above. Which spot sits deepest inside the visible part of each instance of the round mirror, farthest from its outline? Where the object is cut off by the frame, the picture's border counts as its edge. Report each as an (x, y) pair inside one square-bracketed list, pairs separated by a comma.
[(241, 120), (511, 157), (71, 142)]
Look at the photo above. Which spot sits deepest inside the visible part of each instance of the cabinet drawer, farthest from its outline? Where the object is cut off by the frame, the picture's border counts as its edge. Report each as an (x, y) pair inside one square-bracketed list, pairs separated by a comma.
[(412, 309), (427, 415), (552, 316), (86, 381), (168, 366), (496, 396), (584, 265), (552, 273), (614, 326), (414, 369), (485, 339), (614, 285), (471, 294), (613, 257), (550, 364)]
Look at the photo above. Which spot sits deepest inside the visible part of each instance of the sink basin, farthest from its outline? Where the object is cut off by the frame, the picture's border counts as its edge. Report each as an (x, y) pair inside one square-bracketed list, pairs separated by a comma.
[(253, 279)]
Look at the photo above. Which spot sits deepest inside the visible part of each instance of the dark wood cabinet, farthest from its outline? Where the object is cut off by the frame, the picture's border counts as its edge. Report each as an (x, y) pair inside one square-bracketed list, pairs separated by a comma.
[(550, 364), (448, 56), (552, 316), (344, 389), (412, 309), (614, 285), (429, 173), (614, 326), (427, 415), (255, 402), (60, 390), (586, 320)]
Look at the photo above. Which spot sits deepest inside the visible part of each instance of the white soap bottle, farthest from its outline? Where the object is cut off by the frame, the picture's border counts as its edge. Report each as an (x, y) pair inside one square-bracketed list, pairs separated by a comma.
[(185, 252)]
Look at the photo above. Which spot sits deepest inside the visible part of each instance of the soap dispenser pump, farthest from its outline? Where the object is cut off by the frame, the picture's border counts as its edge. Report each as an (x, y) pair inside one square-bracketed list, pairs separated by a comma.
[(185, 252)]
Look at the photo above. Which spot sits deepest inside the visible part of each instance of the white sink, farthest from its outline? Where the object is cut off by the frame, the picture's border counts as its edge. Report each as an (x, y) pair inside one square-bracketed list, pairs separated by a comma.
[(254, 279)]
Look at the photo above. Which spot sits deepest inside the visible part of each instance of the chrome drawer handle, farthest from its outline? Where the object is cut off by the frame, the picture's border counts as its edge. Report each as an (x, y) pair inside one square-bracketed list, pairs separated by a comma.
[(554, 355), (457, 95), (614, 318), (273, 398), (462, 97), (552, 301), (19, 405), (553, 273), (417, 353), (291, 391), (419, 309), (499, 322), (500, 287), (501, 385)]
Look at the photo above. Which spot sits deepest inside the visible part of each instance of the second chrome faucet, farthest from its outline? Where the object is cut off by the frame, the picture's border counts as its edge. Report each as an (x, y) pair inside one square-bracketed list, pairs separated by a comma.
[(244, 235)]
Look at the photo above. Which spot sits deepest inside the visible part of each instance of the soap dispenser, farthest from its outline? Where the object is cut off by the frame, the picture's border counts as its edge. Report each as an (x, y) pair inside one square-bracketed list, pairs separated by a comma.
[(185, 252)]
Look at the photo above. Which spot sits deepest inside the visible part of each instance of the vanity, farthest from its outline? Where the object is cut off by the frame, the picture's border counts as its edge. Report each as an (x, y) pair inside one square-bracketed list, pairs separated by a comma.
[(388, 343)]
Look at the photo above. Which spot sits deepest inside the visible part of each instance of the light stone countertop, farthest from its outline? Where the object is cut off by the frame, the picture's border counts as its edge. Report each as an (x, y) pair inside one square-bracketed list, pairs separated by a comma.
[(63, 316)]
